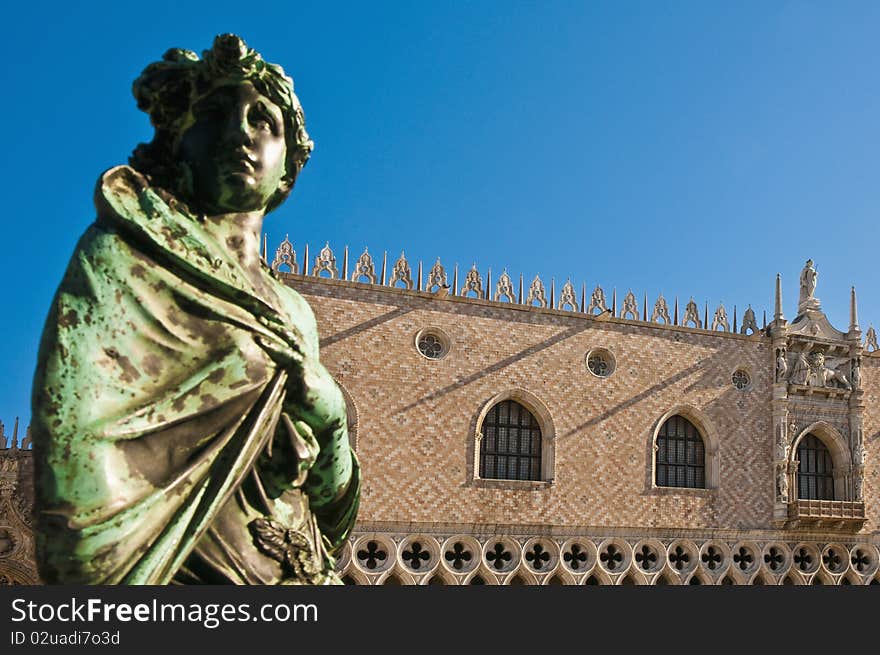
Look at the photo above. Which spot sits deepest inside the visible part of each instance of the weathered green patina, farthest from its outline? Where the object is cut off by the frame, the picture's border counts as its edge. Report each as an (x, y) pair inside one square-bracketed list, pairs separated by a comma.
[(184, 428)]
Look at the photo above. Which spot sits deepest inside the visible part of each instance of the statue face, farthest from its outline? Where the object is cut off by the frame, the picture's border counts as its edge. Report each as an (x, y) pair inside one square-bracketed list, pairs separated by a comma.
[(235, 149)]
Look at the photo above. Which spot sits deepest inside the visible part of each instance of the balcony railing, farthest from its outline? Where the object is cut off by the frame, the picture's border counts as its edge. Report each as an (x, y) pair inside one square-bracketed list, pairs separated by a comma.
[(827, 513)]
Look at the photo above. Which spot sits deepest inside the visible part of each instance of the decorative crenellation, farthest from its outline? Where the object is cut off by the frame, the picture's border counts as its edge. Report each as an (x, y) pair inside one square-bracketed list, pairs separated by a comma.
[(474, 286), (285, 255), (536, 293), (871, 340), (325, 261), (504, 288), (377, 558), (473, 283), (567, 298), (364, 267), (401, 273)]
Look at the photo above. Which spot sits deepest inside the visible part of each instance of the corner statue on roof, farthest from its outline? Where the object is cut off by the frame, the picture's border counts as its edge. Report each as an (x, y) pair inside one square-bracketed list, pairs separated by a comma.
[(184, 429)]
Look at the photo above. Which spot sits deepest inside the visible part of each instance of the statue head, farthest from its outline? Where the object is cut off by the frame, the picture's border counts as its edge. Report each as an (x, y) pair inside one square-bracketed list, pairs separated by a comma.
[(230, 132)]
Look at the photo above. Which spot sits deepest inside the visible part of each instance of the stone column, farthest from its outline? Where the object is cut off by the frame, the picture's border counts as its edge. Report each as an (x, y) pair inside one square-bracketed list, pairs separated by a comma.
[(782, 489)]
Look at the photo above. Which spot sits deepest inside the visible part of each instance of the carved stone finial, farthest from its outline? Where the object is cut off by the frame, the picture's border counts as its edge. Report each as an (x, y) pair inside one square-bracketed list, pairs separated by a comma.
[(853, 313), (536, 293), (692, 314), (364, 267), (27, 442), (401, 273), (720, 319), (473, 283), (325, 261), (436, 277), (504, 288), (630, 306), (871, 339), (750, 322), (3, 441), (567, 297), (661, 310), (597, 302), (285, 255), (777, 311), (809, 277)]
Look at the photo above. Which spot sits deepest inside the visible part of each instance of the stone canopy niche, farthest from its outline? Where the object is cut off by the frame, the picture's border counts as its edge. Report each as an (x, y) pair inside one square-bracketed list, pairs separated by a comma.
[(818, 409)]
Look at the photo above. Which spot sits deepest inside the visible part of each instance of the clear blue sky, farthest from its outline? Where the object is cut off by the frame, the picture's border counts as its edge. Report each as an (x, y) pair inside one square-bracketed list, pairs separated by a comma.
[(693, 148)]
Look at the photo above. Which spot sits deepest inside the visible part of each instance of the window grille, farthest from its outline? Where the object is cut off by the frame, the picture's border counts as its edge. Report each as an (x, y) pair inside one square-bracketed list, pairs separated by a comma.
[(681, 455), (815, 470), (511, 445)]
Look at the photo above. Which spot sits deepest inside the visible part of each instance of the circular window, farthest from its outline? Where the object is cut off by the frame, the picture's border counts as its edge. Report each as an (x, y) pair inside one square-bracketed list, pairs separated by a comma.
[(432, 343), (600, 362), (741, 379)]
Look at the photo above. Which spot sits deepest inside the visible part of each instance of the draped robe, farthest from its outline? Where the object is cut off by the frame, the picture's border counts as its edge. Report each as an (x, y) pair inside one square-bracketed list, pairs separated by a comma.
[(184, 429)]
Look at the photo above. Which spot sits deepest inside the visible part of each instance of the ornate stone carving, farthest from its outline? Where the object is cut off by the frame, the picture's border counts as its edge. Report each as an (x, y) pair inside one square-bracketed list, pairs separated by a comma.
[(661, 310), (473, 283), (630, 306), (781, 365), (597, 301), (812, 369), (855, 373), (567, 297), (401, 273), (7, 542), (800, 370), (504, 288), (859, 485), (783, 444), (3, 441), (871, 340), (807, 300), (536, 293), (782, 483), (364, 267), (326, 261), (692, 314), (436, 277), (749, 322), (720, 319), (285, 255), (824, 376)]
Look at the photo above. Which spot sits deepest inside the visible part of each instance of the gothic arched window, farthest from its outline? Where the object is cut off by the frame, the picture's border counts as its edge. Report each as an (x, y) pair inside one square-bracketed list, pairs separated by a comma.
[(681, 455), (510, 448), (815, 470)]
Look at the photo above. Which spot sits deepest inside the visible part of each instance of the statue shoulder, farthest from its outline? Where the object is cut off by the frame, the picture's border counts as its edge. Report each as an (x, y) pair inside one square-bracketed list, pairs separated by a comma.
[(117, 192), (125, 192), (120, 180)]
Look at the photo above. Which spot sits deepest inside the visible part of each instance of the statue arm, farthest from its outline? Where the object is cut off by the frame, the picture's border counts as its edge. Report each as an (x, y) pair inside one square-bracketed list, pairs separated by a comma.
[(316, 403)]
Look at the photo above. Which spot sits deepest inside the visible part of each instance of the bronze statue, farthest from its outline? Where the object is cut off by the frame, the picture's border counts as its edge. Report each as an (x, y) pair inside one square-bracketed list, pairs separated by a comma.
[(184, 429)]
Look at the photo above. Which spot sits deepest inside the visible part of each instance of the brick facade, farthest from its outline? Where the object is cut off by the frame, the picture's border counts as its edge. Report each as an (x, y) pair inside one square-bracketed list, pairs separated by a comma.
[(596, 515)]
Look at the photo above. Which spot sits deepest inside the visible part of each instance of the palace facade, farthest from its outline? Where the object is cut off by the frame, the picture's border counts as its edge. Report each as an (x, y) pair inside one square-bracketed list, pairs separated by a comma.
[(511, 435)]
